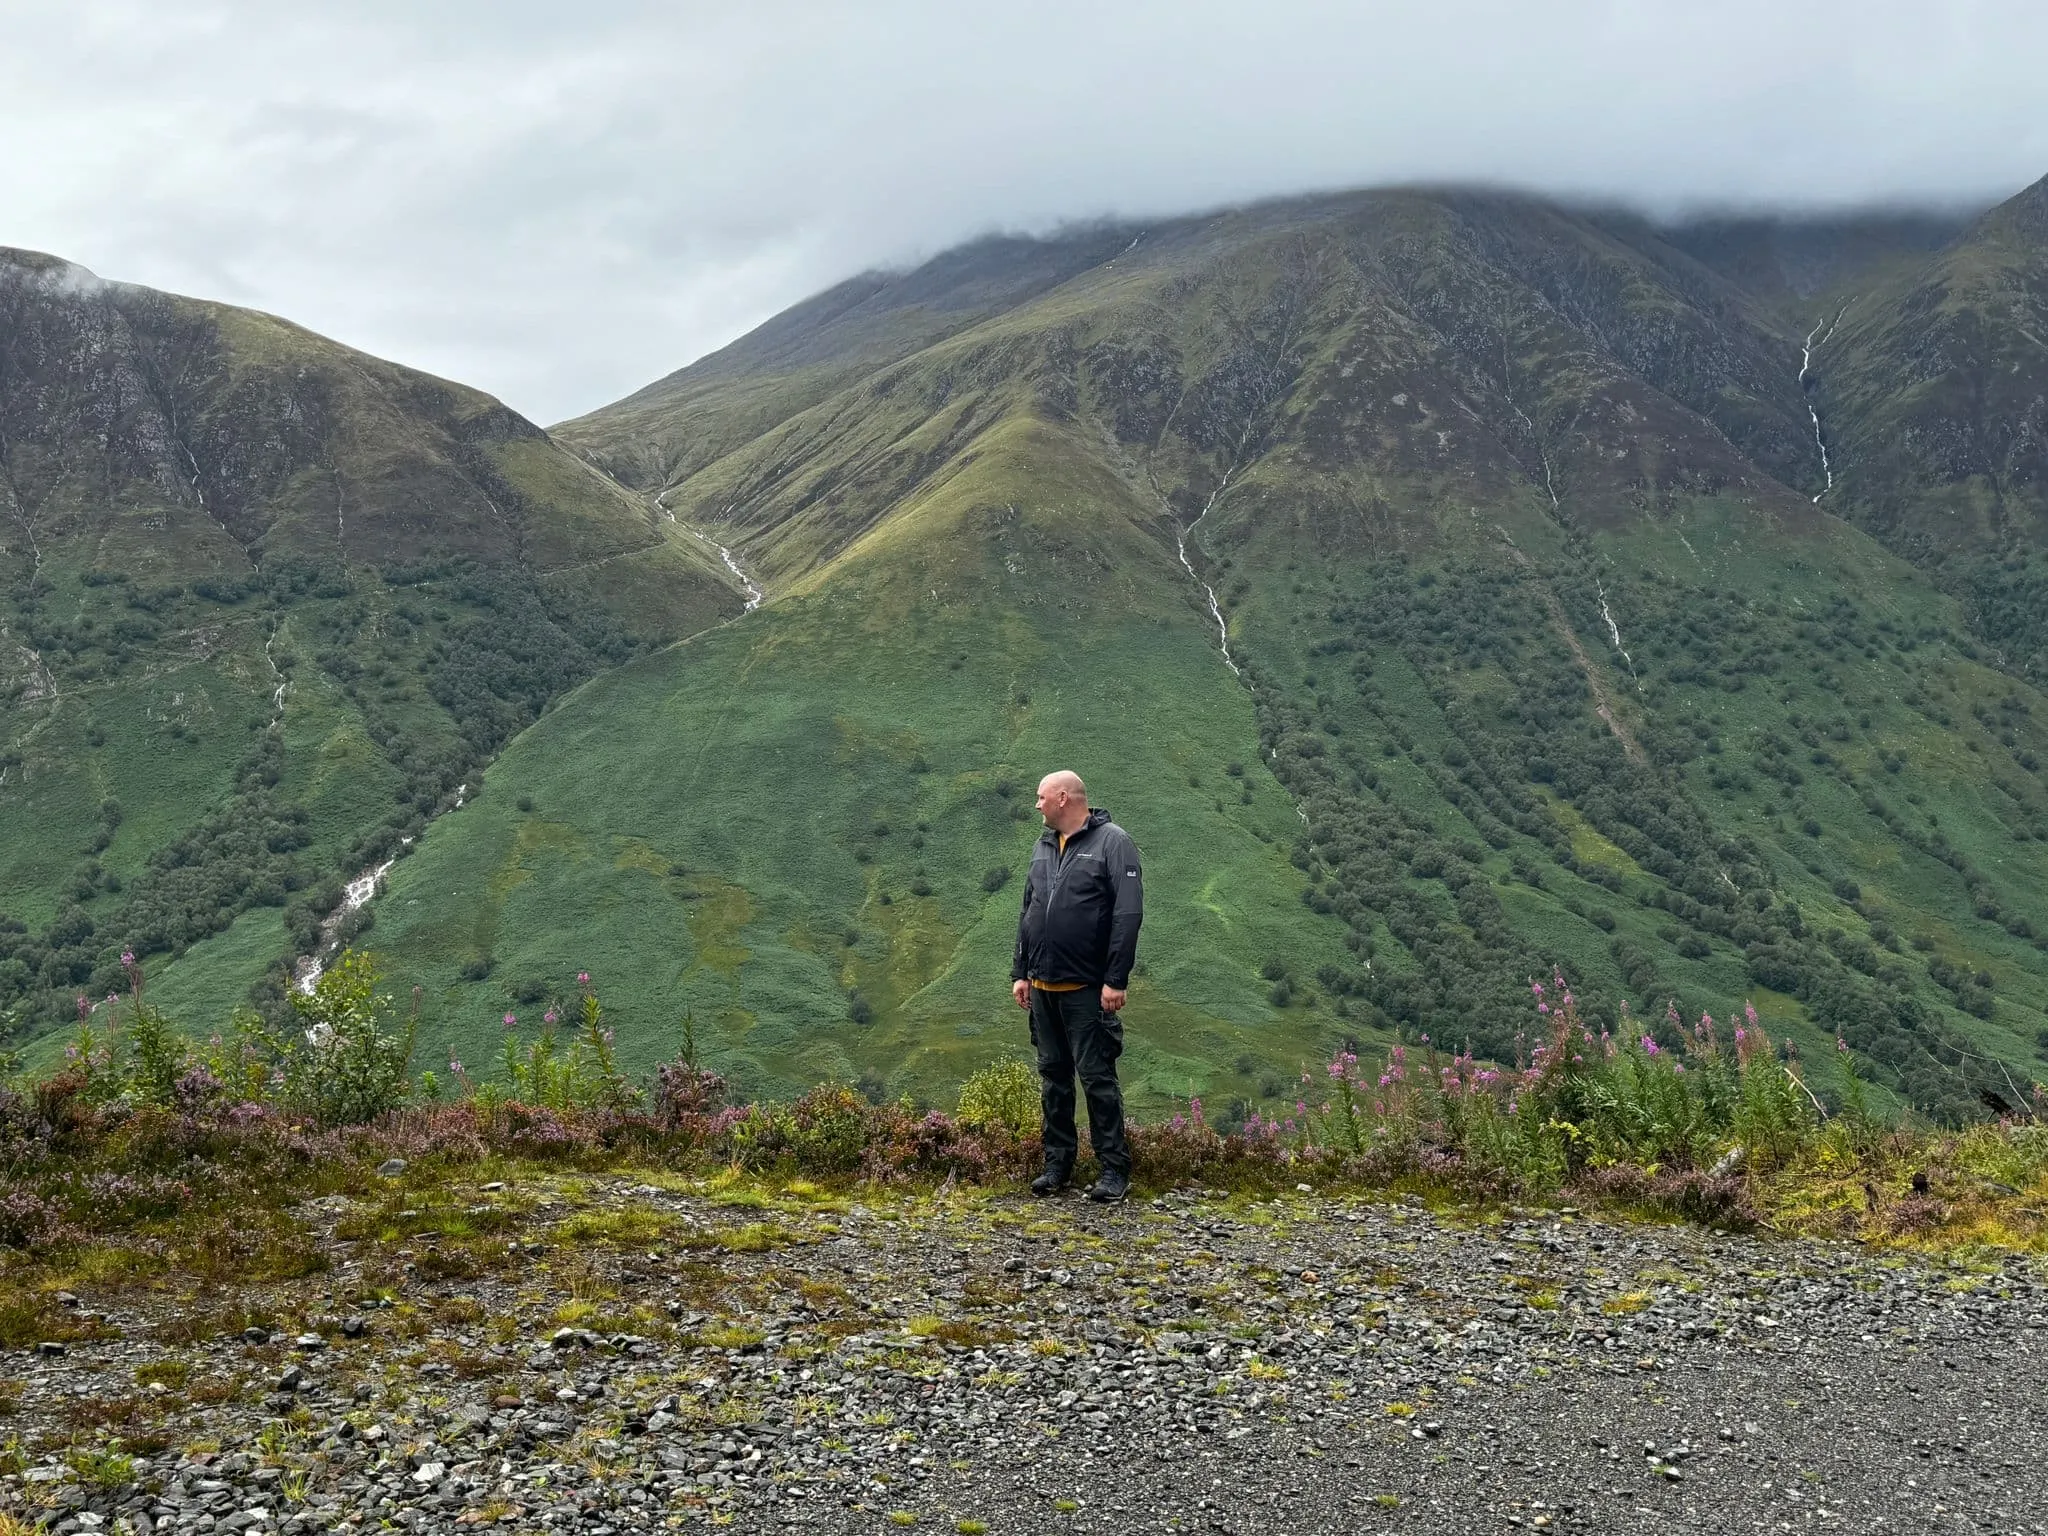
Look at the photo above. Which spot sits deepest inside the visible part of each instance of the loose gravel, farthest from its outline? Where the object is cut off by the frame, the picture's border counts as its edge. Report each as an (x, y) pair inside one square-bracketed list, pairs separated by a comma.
[(974, 1363)]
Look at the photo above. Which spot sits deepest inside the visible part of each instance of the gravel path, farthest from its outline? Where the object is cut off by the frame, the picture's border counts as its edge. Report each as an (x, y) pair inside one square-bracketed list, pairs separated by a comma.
[(969, 1363)]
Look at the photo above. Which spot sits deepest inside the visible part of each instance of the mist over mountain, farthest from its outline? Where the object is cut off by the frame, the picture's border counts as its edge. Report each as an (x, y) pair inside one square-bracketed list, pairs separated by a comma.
[(1443, 586)]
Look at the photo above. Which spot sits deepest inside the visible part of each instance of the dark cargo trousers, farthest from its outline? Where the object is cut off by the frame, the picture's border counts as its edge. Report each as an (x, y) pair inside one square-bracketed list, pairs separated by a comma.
[(1075, 1036)]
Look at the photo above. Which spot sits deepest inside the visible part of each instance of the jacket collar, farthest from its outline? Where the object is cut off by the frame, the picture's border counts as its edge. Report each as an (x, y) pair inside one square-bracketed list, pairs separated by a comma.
[(1097, 817)]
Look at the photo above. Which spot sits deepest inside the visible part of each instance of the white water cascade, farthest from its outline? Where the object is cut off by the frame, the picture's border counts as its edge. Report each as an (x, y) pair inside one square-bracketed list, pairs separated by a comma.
[(356, 894), (1614, 632), (1181, 537), (747, 583), (1806, 350)]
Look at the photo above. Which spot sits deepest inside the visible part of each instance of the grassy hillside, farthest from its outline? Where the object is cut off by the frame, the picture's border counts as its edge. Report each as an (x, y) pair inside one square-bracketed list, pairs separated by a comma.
[(802, 827), (265, 605)]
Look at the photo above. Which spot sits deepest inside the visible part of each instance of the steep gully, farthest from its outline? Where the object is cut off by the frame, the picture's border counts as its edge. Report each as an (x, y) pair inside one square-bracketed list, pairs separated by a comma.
[(1807, 381), (747, 583), (1181, 537)]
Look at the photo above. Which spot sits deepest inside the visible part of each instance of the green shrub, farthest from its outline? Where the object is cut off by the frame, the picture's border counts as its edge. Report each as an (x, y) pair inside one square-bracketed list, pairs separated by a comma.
[(157, 1055), (1003, 1096), (348, 1065), (825, 1131)]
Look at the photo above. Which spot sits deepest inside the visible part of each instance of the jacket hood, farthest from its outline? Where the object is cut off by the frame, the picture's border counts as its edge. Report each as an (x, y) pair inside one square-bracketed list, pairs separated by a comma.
[(1097, 816)]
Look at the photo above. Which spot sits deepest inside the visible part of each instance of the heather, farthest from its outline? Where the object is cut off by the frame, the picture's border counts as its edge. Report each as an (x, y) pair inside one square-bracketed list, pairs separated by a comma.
[(145, 1154)]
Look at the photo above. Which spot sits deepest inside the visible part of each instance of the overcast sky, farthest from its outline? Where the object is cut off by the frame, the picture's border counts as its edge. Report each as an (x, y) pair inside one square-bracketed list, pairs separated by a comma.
[(561, 202)]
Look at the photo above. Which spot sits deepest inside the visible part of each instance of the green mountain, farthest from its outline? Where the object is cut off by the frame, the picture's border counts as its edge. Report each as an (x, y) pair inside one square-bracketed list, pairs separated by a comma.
[(1541, 652), (1442, 587), (266, 604)]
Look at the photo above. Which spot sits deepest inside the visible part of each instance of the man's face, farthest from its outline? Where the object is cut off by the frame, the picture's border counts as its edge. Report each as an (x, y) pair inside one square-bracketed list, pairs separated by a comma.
[(1052, 803)]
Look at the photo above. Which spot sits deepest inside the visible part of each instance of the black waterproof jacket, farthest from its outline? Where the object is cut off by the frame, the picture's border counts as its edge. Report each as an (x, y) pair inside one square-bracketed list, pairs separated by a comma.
[(1082, 907)]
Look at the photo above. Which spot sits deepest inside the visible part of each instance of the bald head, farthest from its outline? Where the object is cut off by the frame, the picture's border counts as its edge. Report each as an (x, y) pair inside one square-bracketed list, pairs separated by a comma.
[(1063, 801)]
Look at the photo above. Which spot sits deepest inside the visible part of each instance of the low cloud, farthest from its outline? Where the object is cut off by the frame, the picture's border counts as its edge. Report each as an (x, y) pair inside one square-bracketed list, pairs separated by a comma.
[(561, 203)]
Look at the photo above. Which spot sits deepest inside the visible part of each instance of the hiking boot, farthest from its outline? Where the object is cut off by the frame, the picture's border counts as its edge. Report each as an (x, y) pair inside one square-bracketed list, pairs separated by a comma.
[(1112, 1185), (1051, 1182)]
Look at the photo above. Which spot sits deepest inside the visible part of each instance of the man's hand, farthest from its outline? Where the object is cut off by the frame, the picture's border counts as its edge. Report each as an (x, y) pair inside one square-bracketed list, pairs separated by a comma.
[(1021, 990), (1112, 999)]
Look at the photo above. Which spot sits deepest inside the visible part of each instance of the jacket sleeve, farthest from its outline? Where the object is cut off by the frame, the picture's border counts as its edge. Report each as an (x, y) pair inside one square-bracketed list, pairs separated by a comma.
[(1020, 963), (1127, 882)]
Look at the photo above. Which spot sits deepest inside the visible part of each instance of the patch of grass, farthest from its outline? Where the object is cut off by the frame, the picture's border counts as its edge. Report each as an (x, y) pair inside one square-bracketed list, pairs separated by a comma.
[(626, 1226), (967, 1335), (460, 1312), (27, 1320), (755, 1237), (194, 1323), (1627, 1304), (101, 1468), (112, 1412), (730, 1336)]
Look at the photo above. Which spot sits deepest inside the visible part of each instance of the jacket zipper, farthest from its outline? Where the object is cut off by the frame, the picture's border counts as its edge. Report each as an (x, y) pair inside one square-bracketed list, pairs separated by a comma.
[(1059, 869)]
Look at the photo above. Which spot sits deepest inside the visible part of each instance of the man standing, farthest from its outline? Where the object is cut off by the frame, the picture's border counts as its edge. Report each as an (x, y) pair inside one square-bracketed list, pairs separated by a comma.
[(1076, 940)]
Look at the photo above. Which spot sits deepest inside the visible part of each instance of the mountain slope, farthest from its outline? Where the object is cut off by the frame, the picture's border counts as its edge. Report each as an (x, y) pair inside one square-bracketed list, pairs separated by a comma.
[(1934, 393), (267, 604), (814, 813), (1509, 510)]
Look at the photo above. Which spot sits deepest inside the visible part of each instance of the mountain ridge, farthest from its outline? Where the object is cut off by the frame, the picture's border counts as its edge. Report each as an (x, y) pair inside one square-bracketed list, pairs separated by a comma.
[(1549, 643)]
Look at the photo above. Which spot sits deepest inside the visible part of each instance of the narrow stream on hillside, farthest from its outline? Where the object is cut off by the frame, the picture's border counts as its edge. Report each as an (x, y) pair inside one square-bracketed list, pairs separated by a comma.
[(308, 969), (747, 583), (1181, 537), (1806, 350)]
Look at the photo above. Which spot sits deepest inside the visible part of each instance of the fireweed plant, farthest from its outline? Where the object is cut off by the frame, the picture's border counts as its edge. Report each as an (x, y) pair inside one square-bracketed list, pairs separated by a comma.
[(584, 1075), (1576, 1101)]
